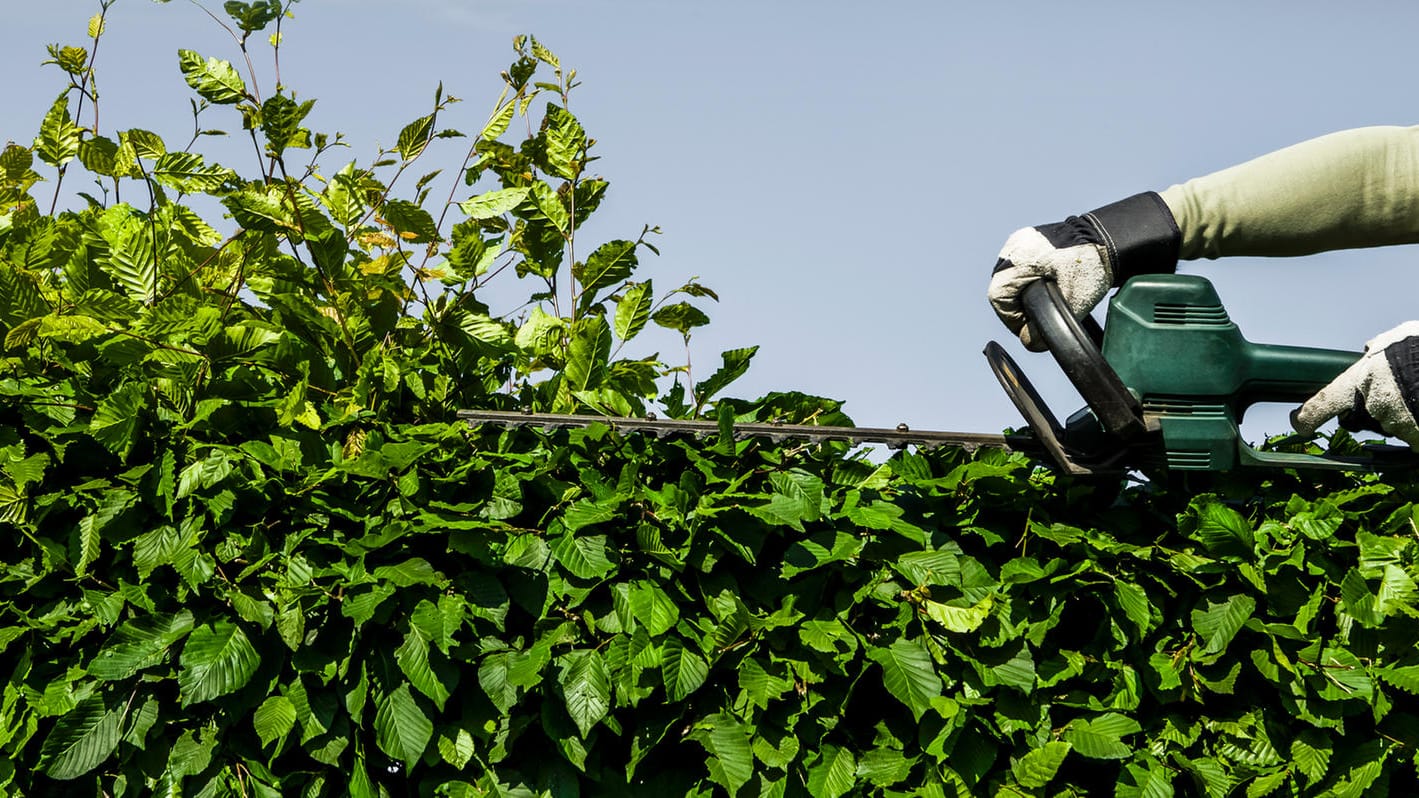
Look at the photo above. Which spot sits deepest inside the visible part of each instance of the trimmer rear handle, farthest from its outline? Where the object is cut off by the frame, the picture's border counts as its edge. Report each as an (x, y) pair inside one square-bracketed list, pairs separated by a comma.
[(1077, 353)]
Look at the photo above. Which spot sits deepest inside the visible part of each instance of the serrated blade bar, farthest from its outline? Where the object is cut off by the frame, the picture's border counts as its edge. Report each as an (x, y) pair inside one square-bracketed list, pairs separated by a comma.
[(894, 437)]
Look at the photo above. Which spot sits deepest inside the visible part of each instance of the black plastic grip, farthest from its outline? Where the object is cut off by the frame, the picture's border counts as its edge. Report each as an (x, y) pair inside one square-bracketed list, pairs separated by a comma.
[(1078, 355)]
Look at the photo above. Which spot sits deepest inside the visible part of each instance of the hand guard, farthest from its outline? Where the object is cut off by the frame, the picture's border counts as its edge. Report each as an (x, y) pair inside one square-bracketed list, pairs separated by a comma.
[(1380, 392), (1085, 255)]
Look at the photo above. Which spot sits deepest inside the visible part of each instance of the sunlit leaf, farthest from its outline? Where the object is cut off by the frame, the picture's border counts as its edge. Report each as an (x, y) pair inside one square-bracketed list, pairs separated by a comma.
[(633, 310), (215, 80), (217, 659), (402, 730), (81, 740), (586, 687), (493, 203), (274, 719), (908, 674), (59, 136)]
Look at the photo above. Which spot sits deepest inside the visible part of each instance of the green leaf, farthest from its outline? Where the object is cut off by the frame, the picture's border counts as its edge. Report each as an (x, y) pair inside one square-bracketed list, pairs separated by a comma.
[(81, 740), (588, 353), (540, 334), (253, 16), (681, 317), (144, 143), (402, 730), (682, 670), (186, 172), (908, 674), (1223, 530), (409, 221), (546, 56), (1133, 600), (1101, 737), (493, 203), (1358, 601), (802, 489), (216, 660), (1221, 621), (586, 513), (499, 121), (215, 81), (1343, 676), (565, 142), (584, 556), (59, 136), (1264, 785), (100, 155), (90, 544), (140, 643), (1310, 752), (833, 776), (1404, 677), (586, 688), (413, 659), (816, 550), (415, 137), (633, 310), (652, 608), (274, 719), (117, 419), (550, 207), (731, 759), (734, 362), (962, 620), (457, 750), (611, 263), (1396, 593), (1153, 781), (1038, 767), (485, 330), (268, 210), (410, 572)]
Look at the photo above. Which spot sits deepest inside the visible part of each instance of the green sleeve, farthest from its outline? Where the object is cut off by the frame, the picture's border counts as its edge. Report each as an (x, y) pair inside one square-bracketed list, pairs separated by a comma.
[(1355, 188)]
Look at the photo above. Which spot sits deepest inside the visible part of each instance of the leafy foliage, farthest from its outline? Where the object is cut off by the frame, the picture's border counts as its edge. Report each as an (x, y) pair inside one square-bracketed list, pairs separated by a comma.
[(254, 553)]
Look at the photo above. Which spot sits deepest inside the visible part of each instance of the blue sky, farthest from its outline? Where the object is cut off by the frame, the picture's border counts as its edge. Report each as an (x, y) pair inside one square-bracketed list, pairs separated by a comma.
[(843, 174)]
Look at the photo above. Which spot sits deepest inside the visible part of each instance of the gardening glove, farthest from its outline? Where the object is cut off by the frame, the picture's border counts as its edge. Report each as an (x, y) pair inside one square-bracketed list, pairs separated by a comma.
[(1380, 392), (1085, 255)]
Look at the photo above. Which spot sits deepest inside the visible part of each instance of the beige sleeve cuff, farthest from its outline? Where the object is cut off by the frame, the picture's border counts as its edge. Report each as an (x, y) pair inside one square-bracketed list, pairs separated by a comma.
[(1355, 188)]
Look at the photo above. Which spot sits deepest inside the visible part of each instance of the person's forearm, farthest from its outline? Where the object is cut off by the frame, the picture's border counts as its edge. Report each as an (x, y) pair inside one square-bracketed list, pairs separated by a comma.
[(1356, 188)]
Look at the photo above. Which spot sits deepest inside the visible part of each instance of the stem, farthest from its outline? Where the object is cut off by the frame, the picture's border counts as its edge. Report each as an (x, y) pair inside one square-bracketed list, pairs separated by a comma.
[(83, 92), (241, 45), (319, 270), (349, 231), (276, 47), (158, 344), (152, 225)]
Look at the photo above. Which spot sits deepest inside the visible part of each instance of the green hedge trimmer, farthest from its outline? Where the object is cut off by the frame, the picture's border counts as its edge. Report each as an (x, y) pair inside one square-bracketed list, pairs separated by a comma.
[(1166, 382)]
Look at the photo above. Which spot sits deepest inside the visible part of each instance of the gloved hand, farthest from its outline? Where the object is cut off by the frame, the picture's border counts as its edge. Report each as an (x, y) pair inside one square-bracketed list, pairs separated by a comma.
[(1379, 392), (1086, 255)]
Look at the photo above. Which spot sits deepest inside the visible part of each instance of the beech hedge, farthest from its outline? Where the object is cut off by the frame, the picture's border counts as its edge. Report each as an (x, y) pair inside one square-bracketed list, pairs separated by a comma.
[(253, 552)]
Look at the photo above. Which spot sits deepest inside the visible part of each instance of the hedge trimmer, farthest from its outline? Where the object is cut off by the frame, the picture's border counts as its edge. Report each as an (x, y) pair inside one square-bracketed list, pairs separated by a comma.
[(1166, 382)]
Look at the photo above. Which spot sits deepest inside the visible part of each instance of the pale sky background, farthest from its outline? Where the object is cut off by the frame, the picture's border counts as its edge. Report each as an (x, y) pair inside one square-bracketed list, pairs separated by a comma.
[(842, 173)]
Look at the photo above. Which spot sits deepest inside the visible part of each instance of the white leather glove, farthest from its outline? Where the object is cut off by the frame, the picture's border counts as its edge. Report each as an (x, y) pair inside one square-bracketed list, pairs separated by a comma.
[(1086, 255), (1379, 392)]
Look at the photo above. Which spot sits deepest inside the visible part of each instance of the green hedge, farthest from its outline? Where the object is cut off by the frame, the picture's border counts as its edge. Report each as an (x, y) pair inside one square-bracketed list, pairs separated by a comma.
[(253, 552), (447, 613)]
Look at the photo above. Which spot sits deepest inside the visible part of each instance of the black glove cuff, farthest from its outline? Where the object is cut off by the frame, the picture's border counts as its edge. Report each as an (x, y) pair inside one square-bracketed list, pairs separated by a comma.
[(1403, 358), (1140, 235)]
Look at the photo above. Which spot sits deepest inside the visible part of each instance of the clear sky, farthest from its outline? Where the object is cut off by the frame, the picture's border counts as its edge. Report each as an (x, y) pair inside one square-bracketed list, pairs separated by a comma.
[(842, 173)]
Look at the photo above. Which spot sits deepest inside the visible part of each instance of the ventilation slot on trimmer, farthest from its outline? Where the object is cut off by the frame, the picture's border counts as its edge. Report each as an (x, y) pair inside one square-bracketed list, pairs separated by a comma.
[(1182, 406), (1183, 460), (1167, 313)]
